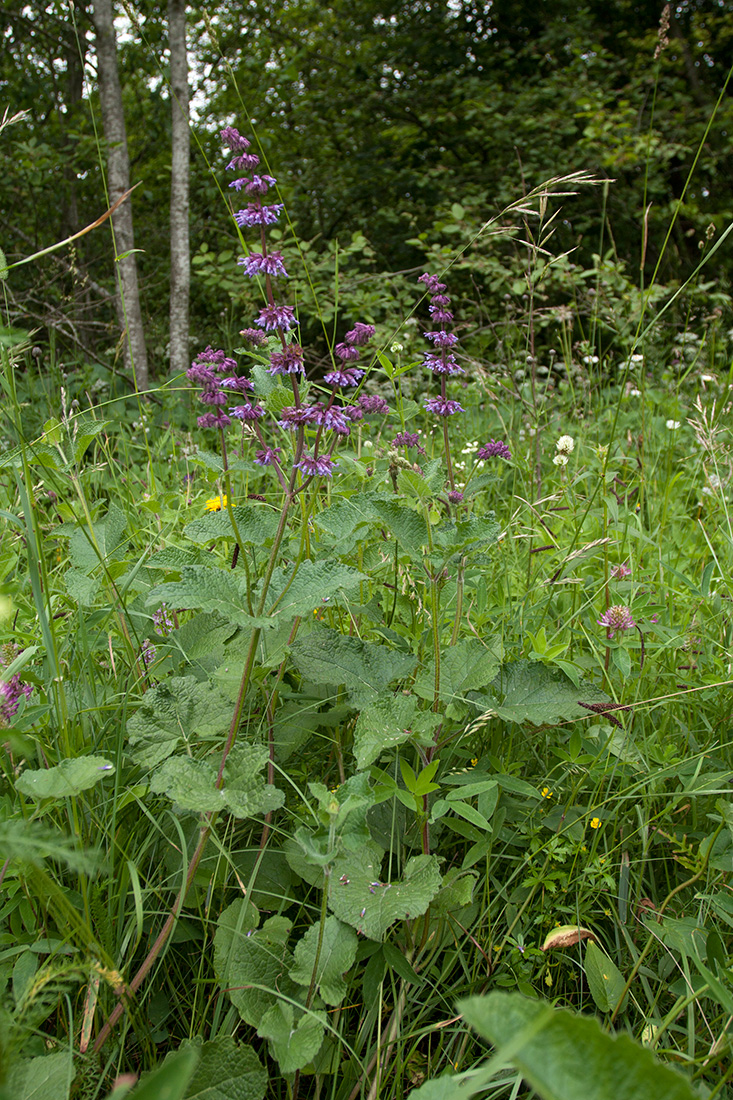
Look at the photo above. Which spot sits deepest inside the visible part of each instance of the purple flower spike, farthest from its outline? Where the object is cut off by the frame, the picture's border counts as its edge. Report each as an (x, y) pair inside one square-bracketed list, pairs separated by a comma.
[(442, 364), (213, 397), (494, 449), (317, 467), (289, 361), (333, 420), (354, 413), (349, 376), (407, 439), (272, 317), (214, 420), (293, 417), (373, 403), (268, 457), (247, 412), (617, 618), (442, 339), (360, 334), (234, 141), (455, 497), (257, 264), (10, 693), (258, 185), (215, 360), (253, 336), (440, 407), (432, 283), (346, 351), (258, 215), (441, 315), (240, 384)]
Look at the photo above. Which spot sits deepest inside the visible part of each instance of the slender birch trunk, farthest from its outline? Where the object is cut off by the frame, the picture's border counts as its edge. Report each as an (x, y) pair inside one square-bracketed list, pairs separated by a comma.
[(179, 210), (127, 297)]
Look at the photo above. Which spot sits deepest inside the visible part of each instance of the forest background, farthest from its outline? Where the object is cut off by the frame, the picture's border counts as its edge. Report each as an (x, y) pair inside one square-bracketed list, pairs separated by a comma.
[(396, 129)]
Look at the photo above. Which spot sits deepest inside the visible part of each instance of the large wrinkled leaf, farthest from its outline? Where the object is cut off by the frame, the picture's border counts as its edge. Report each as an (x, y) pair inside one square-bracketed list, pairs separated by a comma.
[(404, 524), (251, 963), (45, 1078), (479, 532), (190, 783), (66, 779), (358, 897), (227, 1070), (337, 954), (388, 721), (208, 587), (528, 691), (107, 534), (293, 1045), (326, 656), (169, 1081), (564, 1056), (181, 711), (315, 584), (257, 525), (469, 665)]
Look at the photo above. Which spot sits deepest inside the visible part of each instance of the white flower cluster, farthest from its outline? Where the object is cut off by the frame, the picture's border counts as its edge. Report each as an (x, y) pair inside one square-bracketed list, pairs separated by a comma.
[(673, 425), (565, 447)]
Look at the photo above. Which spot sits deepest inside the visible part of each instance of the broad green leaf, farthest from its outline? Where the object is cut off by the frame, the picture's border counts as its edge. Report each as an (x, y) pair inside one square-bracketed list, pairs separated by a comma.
[(605, 980), (66, 779), (326, 656), (81, 588), (170, 1080), (293, 1045), (337, 954), (528, 691), (315, 584), (107, 535), (208, 587), (388, 721), (30, 842), (257, 525), (190, 783), (477, 531), (358, 897), (181, 711), (227, 1070), (470, 665), (45, 1078), (86, 430), (404, 524), (173, 557), (251, 963), (342, 517), (564, 1056)]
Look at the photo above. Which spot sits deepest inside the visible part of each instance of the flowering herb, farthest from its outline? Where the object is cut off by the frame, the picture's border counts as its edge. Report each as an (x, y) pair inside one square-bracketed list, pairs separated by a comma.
[(617, 619)]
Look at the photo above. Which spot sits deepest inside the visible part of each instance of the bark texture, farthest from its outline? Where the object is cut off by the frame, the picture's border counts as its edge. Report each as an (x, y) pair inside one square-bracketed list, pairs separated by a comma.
[(179, 209), (127, 297)]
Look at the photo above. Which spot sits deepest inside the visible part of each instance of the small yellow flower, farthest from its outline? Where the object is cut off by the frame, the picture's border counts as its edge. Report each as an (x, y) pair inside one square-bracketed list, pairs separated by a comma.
[(546, 792), (474, 761), (595, 823), (216, 503)]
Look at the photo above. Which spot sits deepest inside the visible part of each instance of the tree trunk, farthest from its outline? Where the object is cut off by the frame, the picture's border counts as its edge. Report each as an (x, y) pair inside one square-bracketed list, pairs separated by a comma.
[(180, 157), (127, 297)]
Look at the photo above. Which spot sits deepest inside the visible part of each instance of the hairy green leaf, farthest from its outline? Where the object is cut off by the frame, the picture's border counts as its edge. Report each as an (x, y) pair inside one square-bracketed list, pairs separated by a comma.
[(66, 779), (251, 963), (226, 1070), (293, 1045), (181, 711), (528, 691), (326, 656), (337, 954), (257, 525)]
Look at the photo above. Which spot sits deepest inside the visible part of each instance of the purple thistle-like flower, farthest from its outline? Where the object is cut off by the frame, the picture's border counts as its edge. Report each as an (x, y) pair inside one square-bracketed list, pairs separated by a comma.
[(10, 695), (617, 618), (322, 466), (455, 497), (289, 361), (441, 407), (214, 420), (247, 411), (272, 317), (253, 336), (255, 214), (238, 383), (268, 457), (373, 403), (442, 364), (620, 572), (347, 352), (347, 376), (432, 283), (360, 334), (442, 339), (494, 449), (258, 264)]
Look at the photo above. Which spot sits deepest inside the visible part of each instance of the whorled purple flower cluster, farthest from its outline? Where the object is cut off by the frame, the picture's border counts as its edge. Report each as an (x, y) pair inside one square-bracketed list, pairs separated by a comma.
[(207, 370), (494, 449)]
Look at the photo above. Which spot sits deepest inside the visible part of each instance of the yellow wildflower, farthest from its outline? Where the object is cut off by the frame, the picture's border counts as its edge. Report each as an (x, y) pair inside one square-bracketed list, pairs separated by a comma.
[(216, 503), (595, 823), (546, 792)]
